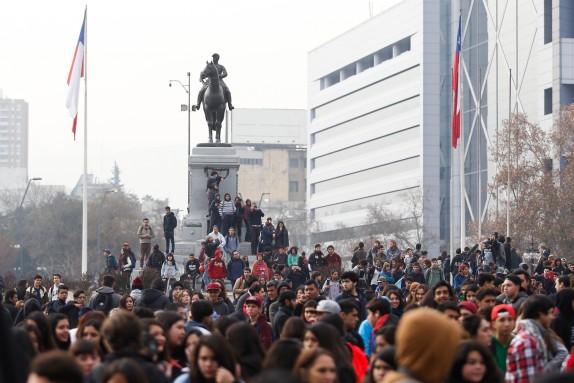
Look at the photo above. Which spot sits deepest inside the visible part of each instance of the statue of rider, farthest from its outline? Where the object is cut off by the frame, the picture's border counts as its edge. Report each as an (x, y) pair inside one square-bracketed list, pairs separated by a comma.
[(222, 74)]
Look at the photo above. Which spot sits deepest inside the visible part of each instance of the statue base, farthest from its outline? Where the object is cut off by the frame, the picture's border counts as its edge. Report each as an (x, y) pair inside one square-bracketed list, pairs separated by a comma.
[(205, 158)]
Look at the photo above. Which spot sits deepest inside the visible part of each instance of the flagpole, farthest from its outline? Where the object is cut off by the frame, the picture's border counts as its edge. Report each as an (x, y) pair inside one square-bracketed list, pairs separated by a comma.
[(462, 186), (508, 162), (85, 183)]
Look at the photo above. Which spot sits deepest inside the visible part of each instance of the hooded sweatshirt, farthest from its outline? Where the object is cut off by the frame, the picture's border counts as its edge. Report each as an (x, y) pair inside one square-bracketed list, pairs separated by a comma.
[(216, 268), (563, 323), (413, 344), (152, 299)]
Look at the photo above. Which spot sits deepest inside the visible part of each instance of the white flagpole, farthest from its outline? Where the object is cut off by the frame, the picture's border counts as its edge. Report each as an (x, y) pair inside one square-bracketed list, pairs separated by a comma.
[(85, 182), (462, 157)]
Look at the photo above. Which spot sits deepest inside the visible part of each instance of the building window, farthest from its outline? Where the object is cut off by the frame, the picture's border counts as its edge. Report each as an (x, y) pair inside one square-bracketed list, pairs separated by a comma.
[(293, 162), (547, 21), (366, 62), (293, 187), (547, 101)]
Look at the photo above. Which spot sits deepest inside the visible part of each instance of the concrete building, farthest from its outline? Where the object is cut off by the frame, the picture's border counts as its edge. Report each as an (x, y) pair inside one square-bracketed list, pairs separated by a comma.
[(380, 105), (271, 145), (374, 101), (13, 143)]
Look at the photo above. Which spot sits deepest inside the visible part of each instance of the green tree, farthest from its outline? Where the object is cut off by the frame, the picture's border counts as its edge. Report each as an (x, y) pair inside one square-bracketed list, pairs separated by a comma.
[(115, 180)]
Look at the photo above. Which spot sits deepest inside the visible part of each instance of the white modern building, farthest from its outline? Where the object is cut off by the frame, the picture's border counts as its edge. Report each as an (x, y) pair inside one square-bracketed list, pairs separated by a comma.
[(374, 101), (380, 105)]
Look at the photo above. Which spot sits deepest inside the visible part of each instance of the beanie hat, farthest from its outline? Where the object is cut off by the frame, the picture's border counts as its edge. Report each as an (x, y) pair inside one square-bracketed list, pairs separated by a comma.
[(514, 279), (470, 306), (137, 283), (413, 344)]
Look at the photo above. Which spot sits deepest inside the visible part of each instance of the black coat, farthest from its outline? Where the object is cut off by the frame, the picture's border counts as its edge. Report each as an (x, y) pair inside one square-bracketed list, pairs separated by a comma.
[(152, 299)]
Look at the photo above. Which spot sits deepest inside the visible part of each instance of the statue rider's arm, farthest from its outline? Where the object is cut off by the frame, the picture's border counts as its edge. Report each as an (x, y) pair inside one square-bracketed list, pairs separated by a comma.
[(223, 72)]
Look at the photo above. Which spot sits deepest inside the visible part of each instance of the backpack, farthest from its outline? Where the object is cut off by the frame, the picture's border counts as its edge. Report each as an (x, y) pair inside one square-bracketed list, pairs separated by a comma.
[(132, 259), (362, 285), (114, 262), (103, 302)]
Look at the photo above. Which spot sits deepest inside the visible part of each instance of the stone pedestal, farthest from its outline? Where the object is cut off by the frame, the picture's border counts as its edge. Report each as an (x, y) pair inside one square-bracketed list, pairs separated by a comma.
[(203, 160)]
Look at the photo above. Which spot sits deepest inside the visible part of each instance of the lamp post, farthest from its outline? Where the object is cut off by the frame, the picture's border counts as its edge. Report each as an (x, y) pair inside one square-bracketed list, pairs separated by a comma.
[(100, 215), (21, 222), (187, 108)]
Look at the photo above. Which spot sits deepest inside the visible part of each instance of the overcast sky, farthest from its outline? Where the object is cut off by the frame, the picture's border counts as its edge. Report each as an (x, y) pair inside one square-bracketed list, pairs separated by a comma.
[(134, 49)]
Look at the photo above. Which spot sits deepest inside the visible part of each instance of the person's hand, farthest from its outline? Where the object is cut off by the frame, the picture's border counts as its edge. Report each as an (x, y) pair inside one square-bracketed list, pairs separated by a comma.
[(223, 375)]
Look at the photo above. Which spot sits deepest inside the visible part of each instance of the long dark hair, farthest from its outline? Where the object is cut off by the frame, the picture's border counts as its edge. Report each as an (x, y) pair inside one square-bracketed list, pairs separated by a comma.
[(428, 299), (492, 374), (41, 323), (54, 319), (245, 341), (223, 353)]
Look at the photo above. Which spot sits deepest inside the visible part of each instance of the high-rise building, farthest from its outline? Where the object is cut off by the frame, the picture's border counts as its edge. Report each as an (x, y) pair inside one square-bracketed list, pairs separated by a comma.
[(13, 143), (380, 104)]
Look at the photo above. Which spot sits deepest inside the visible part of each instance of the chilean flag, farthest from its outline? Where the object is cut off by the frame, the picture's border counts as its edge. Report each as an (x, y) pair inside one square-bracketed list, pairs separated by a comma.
[(455, 98), (74, 78)]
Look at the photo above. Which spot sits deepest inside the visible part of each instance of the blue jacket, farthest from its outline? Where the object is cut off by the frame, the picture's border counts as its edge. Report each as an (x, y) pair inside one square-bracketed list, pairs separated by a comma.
[(169, 222), (267, 235), (235, 269)]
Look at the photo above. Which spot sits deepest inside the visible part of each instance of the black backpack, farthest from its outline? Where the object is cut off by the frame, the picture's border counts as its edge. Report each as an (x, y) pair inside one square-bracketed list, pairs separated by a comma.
[(103, 302)]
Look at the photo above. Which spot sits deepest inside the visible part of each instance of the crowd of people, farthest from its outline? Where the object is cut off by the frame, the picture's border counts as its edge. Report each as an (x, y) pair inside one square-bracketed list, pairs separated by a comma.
[(393, 315)]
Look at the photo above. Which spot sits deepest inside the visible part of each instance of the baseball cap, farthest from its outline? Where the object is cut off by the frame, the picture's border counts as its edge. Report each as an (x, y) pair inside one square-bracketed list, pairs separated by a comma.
[(254, 300), (328, 306), (213, 286), (462, 266), (126, 244), (381, 279), (502, 310), (470, 306)]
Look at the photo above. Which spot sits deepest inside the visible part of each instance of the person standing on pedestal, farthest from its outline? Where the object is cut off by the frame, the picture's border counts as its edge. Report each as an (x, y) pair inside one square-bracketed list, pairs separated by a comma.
[(214, 212), (169, 225), (246, 212), (255, 220), (145, 235), (212, 187), (226, 212)]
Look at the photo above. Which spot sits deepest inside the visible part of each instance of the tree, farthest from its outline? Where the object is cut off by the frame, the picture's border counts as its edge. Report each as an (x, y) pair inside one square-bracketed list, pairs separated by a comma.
[(403, 221), (536, 179), (115, 179)]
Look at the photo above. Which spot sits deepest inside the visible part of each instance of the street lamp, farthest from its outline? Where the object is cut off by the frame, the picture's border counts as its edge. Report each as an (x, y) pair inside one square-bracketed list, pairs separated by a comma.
[(21, 222), (187, 108), (100, 215)]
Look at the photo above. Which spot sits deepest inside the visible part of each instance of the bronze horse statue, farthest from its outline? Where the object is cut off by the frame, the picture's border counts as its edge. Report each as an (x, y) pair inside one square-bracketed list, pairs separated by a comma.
[(213, 101)]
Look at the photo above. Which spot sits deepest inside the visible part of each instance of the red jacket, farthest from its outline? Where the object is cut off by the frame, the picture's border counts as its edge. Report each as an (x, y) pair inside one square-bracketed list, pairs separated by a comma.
[(263, 328), (260, 269), (216, 269), (333, 261)]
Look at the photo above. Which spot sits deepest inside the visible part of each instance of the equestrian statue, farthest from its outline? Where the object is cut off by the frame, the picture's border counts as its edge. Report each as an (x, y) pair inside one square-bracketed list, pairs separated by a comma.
[(214, 94)]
